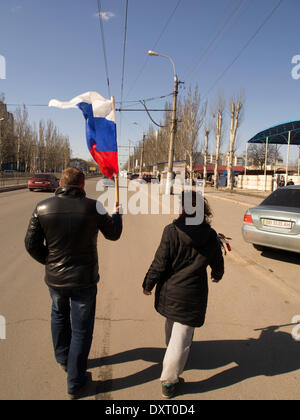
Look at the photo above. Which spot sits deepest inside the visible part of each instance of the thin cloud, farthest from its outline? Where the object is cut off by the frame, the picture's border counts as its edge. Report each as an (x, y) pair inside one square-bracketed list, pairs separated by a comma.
[(105, 15), (16, 9)]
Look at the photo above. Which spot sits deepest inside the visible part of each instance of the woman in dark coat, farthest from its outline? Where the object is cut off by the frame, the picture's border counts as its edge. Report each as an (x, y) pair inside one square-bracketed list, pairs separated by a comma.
[(179, 272)]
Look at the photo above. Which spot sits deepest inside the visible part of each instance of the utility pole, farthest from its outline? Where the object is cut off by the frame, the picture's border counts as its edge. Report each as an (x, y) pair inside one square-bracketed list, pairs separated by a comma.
[(156, 151), (142, 155), (172, 138), (1, 121), (18, 155), (128, 170)]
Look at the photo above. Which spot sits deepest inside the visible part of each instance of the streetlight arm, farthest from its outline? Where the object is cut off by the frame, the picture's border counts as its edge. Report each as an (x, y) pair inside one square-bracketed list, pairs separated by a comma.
[(173, 64), (155, 54)]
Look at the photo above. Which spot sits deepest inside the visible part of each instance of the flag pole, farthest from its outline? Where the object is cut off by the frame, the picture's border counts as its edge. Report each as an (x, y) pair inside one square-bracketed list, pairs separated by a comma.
[(116, 175)]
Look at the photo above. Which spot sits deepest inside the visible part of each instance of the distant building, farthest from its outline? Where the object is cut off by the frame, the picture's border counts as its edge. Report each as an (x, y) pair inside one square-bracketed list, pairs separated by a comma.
[(8, 123), (8, 141), (223, 160)]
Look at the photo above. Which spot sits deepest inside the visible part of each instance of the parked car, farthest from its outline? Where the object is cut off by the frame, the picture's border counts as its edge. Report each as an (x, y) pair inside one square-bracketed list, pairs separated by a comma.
[(147, 178), (131, 176), (45, 182), (275, 223)]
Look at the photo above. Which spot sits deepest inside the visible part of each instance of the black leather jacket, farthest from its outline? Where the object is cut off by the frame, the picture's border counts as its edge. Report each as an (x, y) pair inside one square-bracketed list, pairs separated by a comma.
[(62, 235)]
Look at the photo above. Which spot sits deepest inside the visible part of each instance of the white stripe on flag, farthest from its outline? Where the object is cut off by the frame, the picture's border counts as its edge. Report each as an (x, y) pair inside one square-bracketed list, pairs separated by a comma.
[(102, 108)]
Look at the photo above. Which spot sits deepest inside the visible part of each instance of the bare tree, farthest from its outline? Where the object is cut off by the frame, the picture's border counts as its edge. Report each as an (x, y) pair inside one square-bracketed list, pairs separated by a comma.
[(235, 122), (43, 149), (218, 111), (192, 120), (22, 130), (257, 155), (205, 154)]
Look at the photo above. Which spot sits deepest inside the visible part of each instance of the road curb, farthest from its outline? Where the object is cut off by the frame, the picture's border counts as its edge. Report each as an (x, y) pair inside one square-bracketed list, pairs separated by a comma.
[(247, 193), (243, 203)]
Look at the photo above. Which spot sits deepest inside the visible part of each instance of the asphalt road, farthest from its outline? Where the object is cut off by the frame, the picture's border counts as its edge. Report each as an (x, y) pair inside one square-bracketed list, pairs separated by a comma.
[(230, 359)]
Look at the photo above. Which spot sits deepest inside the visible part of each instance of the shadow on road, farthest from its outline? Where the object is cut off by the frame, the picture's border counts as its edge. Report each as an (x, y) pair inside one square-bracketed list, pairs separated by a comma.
[(280, 255), (273, 353)]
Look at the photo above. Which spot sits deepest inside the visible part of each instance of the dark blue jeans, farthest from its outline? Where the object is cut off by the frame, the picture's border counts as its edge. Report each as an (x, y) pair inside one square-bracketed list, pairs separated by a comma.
[(72, 324)]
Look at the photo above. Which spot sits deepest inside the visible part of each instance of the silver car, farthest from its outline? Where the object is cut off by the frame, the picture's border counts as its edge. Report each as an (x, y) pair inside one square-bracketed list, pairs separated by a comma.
[(275, 223)]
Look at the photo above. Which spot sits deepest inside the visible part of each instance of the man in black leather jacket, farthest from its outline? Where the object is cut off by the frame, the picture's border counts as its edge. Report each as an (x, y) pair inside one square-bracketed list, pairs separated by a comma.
[(62, 235)]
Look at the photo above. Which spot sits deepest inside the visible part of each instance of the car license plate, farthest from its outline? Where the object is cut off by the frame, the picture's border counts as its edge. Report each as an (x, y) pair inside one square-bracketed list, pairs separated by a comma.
[(277, 223), (37, 182)]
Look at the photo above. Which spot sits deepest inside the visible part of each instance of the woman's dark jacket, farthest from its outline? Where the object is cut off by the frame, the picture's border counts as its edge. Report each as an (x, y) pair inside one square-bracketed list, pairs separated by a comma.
[(62, 235), (179, 271)]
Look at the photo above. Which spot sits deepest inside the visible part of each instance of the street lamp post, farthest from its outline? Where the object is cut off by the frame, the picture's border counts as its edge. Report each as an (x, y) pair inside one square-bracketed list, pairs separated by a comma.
[(128, 166), (174, 124), (1, 120), (142, 149)]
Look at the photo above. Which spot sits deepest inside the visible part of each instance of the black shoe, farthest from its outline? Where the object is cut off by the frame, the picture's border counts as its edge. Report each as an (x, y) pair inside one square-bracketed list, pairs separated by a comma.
[(168, 390), (64, 367), (80, 391)]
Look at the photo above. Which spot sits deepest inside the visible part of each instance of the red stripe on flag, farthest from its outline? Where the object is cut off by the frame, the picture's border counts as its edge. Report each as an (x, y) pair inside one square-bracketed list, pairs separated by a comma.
[(107, 161)]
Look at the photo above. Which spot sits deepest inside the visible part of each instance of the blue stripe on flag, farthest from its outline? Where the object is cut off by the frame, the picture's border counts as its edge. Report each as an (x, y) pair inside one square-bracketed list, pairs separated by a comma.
[(99, 130)]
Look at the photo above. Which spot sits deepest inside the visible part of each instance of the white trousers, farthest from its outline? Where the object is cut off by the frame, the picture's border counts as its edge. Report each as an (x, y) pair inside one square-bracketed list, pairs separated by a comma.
[(179, 339)]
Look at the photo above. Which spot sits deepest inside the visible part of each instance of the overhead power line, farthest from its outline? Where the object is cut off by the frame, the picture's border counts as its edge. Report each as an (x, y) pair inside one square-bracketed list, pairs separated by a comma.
[(124, 52), (244, 47), (166, 25), (227, 23), (133, 102), (103, 46), (154, 46), (123, 64)]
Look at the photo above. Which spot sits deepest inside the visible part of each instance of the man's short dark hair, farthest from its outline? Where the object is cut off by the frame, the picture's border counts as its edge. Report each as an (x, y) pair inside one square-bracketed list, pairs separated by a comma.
[(72, 177)]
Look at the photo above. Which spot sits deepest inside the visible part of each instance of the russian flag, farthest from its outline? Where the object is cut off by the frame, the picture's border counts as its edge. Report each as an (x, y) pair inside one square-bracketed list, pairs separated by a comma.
[(101, 130)]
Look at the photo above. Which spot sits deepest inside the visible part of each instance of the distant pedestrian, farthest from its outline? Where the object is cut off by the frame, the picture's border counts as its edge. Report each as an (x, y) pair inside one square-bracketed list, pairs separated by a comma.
[(281, 182), (290, 182), (179, 272), (62, 235)]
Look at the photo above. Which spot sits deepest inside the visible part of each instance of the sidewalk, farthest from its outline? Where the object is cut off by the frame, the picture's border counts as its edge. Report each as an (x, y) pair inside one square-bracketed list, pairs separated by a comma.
[(19, 186), (12, 188), (249, 193)]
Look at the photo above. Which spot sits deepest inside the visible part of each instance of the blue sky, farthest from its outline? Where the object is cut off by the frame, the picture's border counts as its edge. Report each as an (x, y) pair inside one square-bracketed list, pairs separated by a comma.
[(53, 49)]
